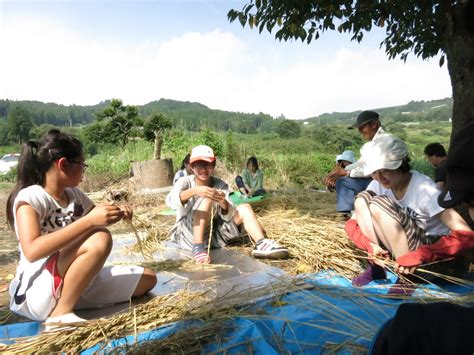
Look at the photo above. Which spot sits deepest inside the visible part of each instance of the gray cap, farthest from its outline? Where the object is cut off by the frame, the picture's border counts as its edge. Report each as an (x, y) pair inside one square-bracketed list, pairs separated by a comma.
[(365, 117)]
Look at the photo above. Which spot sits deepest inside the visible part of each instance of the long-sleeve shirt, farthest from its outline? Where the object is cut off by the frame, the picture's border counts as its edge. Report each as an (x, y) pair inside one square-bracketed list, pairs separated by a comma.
[(173, 199), (255, 182)]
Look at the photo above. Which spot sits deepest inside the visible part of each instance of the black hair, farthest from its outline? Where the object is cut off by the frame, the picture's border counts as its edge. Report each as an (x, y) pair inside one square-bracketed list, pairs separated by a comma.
[(185, 161), (252, 160), (405, 167), (435, 149), (37, 157)]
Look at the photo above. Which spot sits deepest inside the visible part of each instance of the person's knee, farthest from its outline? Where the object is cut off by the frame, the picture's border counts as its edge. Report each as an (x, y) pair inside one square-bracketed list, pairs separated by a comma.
[(375, 206), (359, 204), (203, 212), (147, 281), (244, 210), (205, 205), (100, 243), (341, 183), (376, 212)]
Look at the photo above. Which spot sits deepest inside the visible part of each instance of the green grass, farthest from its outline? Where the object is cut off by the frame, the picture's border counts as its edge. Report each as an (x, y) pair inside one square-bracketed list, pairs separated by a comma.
[(300, 162), (8, 149)]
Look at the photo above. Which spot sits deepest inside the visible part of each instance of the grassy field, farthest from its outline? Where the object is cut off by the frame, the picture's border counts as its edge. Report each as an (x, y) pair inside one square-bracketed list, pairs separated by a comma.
[(300, 162)]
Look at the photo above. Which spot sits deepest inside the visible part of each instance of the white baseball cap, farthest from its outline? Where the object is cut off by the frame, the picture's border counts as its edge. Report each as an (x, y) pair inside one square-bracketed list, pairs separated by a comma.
[(347, 155), (202, 152), (384, 152)]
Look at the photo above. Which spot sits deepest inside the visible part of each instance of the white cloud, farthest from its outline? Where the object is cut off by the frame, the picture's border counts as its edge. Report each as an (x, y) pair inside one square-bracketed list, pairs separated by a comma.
[(47, 62)]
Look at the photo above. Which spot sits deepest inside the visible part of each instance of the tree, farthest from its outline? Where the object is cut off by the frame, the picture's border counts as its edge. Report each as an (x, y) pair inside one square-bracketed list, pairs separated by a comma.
[(115, 124), (3, 132), (425, 28), (154, 128), (289, 129), (19, 124)]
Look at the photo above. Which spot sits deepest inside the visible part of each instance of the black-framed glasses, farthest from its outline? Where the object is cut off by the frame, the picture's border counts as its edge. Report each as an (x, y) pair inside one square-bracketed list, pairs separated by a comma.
[(84, 165)]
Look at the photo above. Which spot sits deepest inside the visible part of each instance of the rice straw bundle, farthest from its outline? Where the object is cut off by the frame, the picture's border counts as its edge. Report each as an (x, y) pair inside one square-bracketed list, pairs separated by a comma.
[(213, 329), (314, 243), (161, 310), (212, 308)]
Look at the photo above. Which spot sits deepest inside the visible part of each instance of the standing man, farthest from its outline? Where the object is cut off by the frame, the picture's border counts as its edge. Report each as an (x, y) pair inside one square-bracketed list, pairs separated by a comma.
[(436, 155), (349, 183)]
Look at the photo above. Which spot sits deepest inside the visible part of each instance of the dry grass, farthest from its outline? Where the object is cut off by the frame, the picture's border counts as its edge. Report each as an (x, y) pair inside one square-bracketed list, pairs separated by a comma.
[(161, 310), (211, 318), (306, 223)]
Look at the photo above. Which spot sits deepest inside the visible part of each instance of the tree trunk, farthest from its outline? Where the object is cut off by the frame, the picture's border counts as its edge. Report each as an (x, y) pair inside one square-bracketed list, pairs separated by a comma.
[(459, 48), (158, 144)]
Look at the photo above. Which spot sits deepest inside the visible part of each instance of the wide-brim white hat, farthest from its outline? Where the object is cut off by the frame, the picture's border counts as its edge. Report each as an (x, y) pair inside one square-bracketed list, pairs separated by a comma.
[(384, 152)]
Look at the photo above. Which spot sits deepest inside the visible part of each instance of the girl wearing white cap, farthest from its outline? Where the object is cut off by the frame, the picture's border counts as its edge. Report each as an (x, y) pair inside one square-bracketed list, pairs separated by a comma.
[(398, 213)]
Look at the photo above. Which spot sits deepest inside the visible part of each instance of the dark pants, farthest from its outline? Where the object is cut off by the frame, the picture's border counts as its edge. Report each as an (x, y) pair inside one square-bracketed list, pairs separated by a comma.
[(240, 184), (346, 190)]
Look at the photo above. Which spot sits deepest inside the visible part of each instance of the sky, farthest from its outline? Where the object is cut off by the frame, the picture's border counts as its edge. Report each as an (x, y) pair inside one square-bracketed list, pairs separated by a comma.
[(86, 51)]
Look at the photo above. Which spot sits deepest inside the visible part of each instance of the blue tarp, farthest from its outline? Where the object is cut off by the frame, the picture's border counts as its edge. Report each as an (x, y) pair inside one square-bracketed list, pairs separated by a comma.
[(306, 321)]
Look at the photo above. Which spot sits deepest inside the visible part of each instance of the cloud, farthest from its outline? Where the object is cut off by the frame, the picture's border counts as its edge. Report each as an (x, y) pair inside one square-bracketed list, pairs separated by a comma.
[(48, 62)]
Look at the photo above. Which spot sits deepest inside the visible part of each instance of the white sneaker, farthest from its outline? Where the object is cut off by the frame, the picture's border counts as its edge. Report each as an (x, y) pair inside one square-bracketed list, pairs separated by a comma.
[(270, 249), (56, 323)]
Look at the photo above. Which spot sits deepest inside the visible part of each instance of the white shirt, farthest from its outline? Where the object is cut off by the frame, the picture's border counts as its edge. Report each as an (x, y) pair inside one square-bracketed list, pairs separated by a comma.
[(420, 200), (50, 214)]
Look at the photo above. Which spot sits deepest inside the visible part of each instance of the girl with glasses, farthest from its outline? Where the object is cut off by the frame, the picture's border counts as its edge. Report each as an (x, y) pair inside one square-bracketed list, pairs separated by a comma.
[(63, 237)]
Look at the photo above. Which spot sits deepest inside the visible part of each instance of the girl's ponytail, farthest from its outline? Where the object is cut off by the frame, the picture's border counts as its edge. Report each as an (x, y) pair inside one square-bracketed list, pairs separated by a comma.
[(37, 157)]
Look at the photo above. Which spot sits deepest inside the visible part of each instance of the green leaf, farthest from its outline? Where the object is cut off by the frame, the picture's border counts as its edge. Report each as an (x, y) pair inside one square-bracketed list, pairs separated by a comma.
[(242, 19)]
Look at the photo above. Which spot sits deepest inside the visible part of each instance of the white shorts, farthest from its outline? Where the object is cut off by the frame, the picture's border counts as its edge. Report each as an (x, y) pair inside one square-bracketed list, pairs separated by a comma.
[(34, 293)]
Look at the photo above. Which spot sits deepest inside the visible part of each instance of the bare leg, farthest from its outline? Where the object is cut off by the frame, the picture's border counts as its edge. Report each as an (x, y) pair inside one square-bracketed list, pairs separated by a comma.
[(146, 283), (390, 232), (78, 265), (245, 214), (201, 220), (364, 220)]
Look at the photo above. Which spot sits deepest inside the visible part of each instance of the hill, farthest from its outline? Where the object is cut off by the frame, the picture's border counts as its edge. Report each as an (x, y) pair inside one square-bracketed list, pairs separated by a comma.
[(194, 116), (414, 111)]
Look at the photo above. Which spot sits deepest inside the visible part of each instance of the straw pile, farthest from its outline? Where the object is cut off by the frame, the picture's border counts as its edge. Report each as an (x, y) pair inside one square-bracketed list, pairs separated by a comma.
[(304, 222), (160, 310), (315, 244), (209, 320)]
